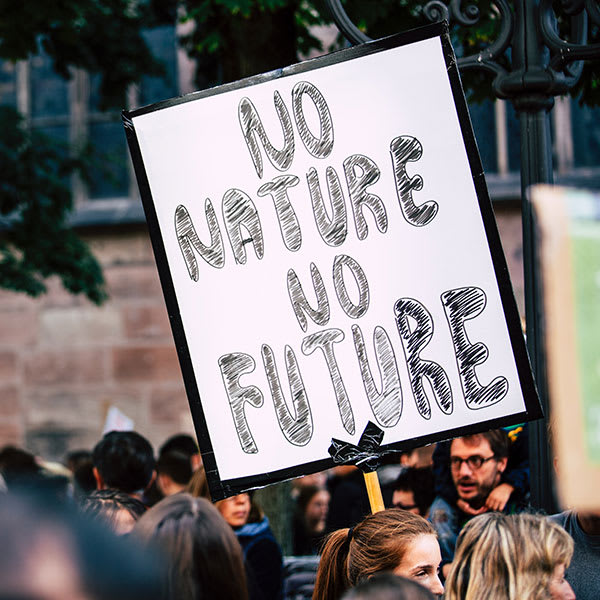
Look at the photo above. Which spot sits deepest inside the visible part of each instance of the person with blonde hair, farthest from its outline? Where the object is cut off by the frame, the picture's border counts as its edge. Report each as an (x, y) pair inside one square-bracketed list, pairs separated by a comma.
[(198, 484), (510, 557), (392, 540)]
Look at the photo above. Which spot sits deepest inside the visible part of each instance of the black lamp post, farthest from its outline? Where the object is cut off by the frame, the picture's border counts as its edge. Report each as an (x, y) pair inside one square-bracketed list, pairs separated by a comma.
[(541, 65)]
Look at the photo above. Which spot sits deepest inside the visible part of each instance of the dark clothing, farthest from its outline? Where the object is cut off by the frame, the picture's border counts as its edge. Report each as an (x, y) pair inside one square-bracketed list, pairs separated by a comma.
[(349, 502), (305, 542), (584, 571), (300, 573), (263, 559)]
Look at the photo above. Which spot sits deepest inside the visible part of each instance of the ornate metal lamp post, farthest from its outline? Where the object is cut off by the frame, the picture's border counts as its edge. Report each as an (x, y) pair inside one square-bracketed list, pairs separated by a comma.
[(536, 65)]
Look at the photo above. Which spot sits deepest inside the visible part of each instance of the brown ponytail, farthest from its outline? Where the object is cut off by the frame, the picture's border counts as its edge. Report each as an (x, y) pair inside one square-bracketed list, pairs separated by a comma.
[(332, 579), (376, 544)]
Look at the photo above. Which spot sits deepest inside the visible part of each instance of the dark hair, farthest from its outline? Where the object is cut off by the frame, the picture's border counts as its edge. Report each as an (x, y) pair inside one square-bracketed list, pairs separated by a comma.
[(176, 465), (181, 442), (105, 506), (421, 483), (83, 478), (21, 472), (386, 586), (75, 458), (125, 460), (497, 438), (40, 535), (80, 463), (17, 465), (377, 544), (205, 558)]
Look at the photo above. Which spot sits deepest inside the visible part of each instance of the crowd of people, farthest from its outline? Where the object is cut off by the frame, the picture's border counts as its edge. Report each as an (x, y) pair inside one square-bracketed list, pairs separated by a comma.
[(119, 521)]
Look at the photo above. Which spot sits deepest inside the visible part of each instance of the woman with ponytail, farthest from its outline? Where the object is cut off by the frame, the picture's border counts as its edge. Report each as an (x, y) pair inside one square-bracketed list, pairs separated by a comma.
[(392, 540)]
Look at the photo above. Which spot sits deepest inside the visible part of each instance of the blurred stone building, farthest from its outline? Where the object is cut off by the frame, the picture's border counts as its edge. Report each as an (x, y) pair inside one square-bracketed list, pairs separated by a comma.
[(64, 361)]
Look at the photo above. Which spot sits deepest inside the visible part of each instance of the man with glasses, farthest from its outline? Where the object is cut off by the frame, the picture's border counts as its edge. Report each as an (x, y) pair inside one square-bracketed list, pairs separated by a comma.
[(477, 463)]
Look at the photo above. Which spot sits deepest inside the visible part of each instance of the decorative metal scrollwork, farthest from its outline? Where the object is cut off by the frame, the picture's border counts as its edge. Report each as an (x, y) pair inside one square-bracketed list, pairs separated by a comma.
[(553, 69), (436, 10), (346, 26), (565, 53), (574, 7), (593, 10), (467, 16)]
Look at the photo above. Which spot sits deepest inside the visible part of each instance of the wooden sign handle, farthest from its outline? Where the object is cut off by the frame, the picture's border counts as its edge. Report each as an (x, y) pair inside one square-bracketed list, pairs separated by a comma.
[(374, 492)]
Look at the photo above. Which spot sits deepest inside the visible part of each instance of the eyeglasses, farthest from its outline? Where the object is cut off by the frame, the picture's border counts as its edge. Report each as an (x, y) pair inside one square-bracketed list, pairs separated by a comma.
[(475, 462), (405, 506)]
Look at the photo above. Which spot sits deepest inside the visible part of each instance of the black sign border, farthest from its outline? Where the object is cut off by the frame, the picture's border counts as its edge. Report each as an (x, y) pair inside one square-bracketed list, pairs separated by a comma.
[(224, 488)]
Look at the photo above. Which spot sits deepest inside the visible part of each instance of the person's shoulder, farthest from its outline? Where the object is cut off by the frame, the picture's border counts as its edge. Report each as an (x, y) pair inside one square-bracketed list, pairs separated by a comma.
[(259, 532), (267, 543), (561, 518), (265, 550)]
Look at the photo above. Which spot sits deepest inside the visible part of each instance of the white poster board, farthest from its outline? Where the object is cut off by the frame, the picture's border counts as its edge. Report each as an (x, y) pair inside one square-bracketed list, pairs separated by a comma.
[(329, 258)]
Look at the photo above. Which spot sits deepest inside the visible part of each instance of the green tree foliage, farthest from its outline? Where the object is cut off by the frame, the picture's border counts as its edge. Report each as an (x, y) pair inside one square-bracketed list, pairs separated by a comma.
[(99, 36), (102, 37), (35, 200), (246, 37)]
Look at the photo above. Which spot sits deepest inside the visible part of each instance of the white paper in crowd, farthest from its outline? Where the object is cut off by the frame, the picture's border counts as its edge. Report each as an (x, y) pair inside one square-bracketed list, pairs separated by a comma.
[(117, 420)]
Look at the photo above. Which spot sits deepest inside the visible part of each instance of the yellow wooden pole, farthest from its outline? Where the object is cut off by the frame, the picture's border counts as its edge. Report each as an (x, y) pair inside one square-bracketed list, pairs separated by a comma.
[(374, 492)]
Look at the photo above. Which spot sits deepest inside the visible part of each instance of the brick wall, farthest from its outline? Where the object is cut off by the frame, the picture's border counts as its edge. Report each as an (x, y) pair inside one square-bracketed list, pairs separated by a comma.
[(63, 361)]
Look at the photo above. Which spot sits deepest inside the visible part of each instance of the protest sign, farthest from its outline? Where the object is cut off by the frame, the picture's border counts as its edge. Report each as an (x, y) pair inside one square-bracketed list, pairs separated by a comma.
[(569, 242), (330, 262)]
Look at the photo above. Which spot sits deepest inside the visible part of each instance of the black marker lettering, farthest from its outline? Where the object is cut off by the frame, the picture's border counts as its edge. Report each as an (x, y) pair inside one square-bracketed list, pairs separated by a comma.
[(354, 311), (408, 149), (288, 221), (322, 146), (332, 230), (387, 404), (461, 305), (239, 211), (300, 304), (233, 366), (413, 341), (297, 427), (324, 341), (189, 241), (252, 126), (361, 172)]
